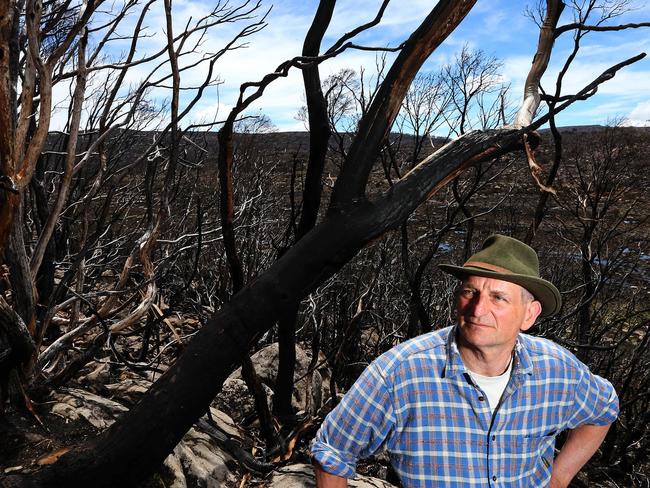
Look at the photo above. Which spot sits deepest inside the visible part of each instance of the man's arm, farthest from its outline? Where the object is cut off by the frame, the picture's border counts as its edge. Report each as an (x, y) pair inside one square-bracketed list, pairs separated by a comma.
[(326, 480), (581, 444), (358, 427)]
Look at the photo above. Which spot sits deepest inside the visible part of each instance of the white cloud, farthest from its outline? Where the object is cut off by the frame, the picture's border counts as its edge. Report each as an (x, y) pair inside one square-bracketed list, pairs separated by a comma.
[(629, 82), (617, 50), (640, 115), (61, 100), (209, 112)]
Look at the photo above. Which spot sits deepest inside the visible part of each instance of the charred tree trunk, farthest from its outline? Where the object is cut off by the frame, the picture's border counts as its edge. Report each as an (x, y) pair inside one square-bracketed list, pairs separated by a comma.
[(16, 348), (16, 345), (9, 28), (24, 294), (45, 276), (226, 201), (418, 319), (283, 392), (319, 134), (226, 204), (462, 204)]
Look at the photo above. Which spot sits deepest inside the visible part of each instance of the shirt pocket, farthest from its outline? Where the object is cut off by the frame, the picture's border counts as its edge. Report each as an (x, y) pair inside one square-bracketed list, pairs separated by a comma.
[(529, 459)]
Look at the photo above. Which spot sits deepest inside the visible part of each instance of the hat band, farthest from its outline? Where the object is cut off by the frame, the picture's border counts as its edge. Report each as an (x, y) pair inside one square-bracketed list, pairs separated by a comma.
[(488, 266)]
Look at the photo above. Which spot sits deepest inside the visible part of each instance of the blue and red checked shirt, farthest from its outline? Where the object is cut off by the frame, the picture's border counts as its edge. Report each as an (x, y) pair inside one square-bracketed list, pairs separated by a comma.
[(417, 401)]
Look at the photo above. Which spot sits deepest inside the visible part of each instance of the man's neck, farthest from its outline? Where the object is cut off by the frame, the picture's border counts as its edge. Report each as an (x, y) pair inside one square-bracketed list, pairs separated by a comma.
[(487, 361)]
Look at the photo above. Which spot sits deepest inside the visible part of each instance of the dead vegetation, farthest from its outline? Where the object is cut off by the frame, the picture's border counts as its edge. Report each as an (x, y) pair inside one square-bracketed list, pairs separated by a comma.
[(142, 267)]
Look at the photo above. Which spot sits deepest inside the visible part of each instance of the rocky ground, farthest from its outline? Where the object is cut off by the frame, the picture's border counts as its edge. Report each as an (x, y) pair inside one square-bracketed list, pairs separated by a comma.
[(221, 450)]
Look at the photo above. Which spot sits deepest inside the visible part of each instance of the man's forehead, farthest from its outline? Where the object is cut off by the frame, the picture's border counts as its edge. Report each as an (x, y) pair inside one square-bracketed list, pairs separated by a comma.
[(492, 284)]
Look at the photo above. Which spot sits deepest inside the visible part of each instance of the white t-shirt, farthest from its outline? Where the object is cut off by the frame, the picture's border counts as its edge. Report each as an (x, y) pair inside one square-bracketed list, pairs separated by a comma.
[(493, 386)]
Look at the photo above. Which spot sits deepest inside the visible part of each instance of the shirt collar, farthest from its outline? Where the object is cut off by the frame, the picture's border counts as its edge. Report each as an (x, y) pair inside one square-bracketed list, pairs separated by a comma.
[(523, 363), (455, 366)]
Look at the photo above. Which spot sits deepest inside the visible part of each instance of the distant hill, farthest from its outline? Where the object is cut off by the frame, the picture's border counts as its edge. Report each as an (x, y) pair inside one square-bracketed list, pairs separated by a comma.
[(283, 146)]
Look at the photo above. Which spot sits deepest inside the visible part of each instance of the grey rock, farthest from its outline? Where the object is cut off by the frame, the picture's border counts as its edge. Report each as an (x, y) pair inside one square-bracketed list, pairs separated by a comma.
[(196, 461), (265, 362)]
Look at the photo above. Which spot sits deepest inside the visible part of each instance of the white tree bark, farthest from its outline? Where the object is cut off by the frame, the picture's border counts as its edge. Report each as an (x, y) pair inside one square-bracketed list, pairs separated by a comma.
[(531, 100)]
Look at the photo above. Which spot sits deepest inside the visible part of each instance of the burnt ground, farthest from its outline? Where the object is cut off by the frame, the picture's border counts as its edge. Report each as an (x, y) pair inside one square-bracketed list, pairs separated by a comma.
[(26, 444)]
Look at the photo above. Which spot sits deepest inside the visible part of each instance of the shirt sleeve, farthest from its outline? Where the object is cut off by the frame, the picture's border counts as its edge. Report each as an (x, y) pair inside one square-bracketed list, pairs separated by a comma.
[(595, 400), (357, 427)]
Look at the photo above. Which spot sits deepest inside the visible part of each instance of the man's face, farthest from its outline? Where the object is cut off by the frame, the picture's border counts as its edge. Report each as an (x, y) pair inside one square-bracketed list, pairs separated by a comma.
[(491, 312)]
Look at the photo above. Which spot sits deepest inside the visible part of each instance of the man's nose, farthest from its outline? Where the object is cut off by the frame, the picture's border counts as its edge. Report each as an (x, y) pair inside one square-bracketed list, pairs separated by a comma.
[(478, 305)]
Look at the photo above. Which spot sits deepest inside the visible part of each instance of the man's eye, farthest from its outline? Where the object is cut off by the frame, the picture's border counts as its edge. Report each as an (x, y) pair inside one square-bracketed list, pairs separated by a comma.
[(467, 293)]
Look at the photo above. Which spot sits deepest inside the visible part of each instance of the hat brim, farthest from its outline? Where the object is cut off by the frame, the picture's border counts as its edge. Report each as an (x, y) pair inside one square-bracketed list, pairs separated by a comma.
[(543, 291)]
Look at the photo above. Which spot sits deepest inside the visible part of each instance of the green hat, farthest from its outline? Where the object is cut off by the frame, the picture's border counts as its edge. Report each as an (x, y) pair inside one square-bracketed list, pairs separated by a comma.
[(508, 259)]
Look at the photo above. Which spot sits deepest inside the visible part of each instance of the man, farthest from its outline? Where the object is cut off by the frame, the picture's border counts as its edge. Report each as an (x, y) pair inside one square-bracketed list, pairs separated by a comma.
[(478, 404)]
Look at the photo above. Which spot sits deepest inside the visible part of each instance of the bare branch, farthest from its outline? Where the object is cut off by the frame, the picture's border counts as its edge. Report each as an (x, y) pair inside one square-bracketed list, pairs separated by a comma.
[(542, 57), (75, 121), (353, 33), (597, 28), (375, 125), (608, 74)]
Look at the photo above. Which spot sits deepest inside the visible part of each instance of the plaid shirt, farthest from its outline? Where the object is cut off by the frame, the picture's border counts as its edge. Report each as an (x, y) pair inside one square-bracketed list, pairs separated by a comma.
[(418, 402)]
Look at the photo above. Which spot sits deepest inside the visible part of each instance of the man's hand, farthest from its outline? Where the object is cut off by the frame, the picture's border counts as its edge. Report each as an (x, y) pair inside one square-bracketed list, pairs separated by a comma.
[(581, 444), (326, 480)]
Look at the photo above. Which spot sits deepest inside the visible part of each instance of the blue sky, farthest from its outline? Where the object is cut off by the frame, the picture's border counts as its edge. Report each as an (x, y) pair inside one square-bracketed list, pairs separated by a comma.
[(498, 27)]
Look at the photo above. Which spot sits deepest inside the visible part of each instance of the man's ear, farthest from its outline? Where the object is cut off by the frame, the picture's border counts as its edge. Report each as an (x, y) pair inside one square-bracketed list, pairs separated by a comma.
[(533, 309)]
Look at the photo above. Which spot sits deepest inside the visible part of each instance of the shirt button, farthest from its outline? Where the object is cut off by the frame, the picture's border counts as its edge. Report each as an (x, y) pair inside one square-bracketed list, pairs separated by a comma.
[(494, 438), (494, 478), (481, 398)]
